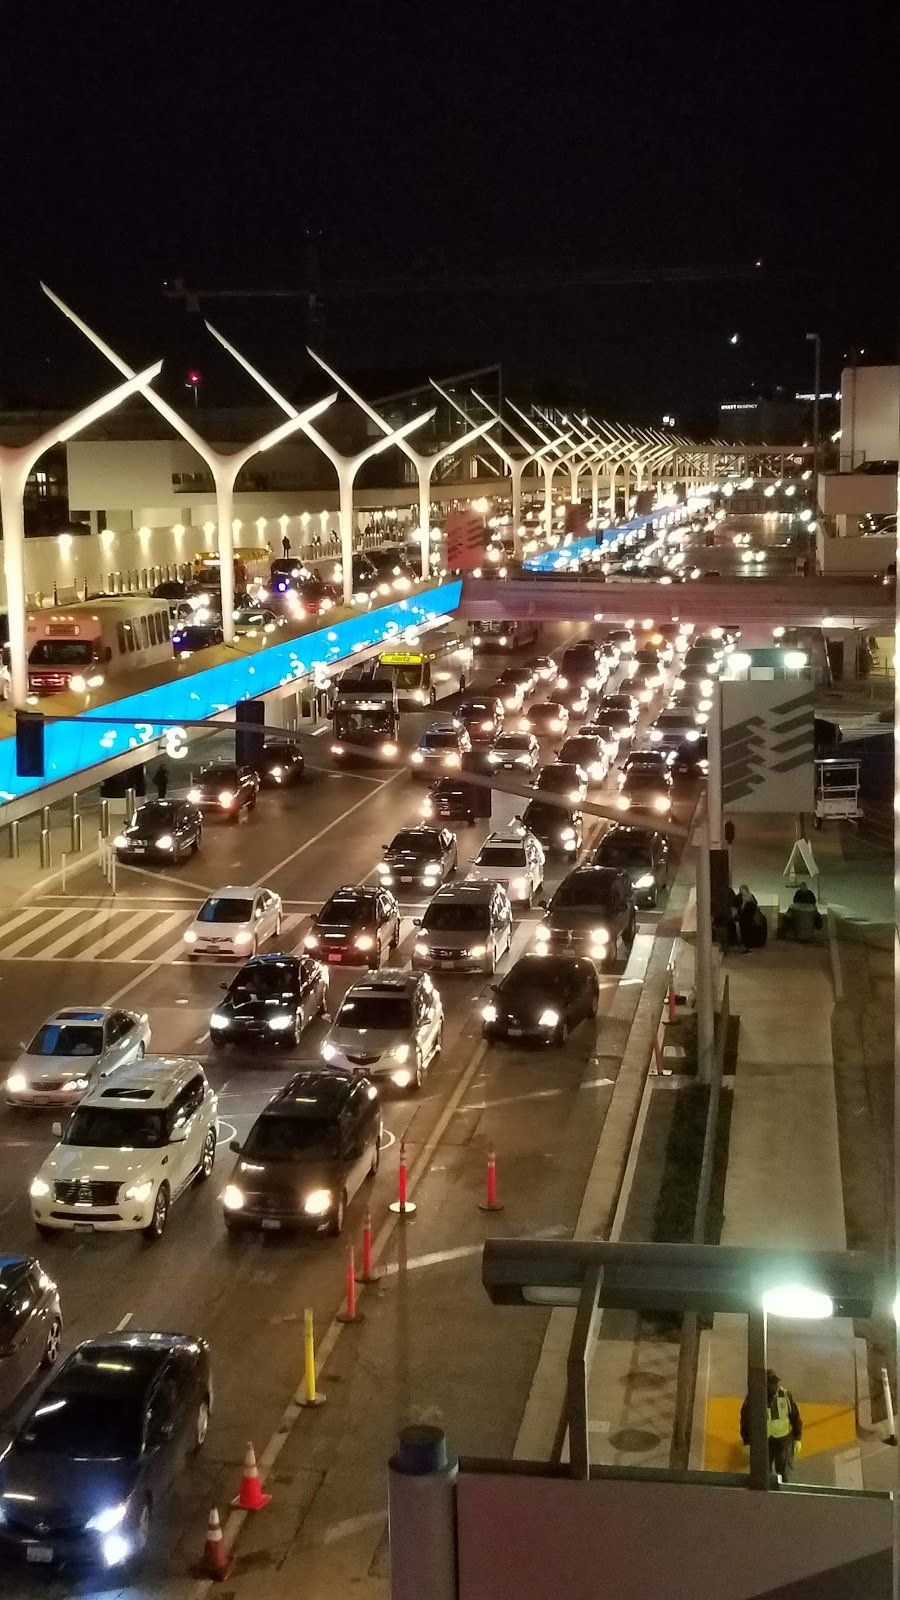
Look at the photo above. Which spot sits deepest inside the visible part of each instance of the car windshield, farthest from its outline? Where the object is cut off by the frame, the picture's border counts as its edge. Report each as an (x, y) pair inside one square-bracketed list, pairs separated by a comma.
[(584, 889), (117, 1128), (216, 777), (576, 751), (501, 855), (410, 843), (474, 708), (538, 976), (83, 1427), (199, 634), (345, 910), (375, 1011), (616, 850), (67, 1039), (673, 722), (512, 741), (440, 739), (614, 703), (457, 916), (269, 981), (643, 777), (155, 814), (546, 708), (279, 752), (300, 1138), (557, 777), (224, 909), (540, 815), (61, 653)]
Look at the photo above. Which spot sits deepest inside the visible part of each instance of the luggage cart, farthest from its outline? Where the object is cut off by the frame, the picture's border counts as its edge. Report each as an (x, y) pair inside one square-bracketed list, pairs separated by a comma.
[(837, 791)]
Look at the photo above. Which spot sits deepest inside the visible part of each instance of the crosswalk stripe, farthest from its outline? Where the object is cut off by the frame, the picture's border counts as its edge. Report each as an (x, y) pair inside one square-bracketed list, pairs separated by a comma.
[(118, 932), (38, 930), (49, 951), (160, 931)]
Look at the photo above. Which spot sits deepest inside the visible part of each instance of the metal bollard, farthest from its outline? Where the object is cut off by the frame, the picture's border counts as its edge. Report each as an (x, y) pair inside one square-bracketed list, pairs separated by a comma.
[(130, 804), (112, 872), (76, 832), (888, 1407), (46, 855), (14, 841), (73, 804), (45, 819), (104, 819), (63, 862)]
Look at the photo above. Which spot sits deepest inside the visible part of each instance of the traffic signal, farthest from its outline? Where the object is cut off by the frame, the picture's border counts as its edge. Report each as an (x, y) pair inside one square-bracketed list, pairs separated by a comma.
[(29, 744), (249, 738)]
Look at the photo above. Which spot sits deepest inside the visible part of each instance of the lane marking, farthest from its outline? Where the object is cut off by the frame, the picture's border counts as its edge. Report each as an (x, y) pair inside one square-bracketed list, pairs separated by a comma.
[(50, 950), (435, 1258), (510, 1100), (121, 1326), (351, 1525), (120, 931), (330, 826), (160, 931), (36, 930)]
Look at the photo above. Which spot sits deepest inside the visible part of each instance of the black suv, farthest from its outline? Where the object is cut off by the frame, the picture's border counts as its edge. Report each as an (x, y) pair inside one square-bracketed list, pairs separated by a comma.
[(161, 830), (304, 1159), (281, 763), (592, 909), (420, 857), (542, 998), (30, 1324), (482, 718), (359, 925), (640, 853), (99, 1446), (560, 829), (270, 1002), (224, 790), (450, 800)]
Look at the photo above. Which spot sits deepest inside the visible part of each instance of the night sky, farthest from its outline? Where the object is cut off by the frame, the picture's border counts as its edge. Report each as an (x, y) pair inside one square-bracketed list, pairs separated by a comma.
[(425, 144)]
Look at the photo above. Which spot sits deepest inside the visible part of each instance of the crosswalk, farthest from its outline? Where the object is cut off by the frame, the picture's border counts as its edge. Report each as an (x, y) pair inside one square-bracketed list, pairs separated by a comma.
[(123, 936)]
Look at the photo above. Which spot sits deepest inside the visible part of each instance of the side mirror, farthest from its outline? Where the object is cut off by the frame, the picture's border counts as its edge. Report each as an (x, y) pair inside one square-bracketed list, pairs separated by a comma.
[(178, 1136), (56, 1128), (235, 1145), (223, 985), (417, 922), (542, 902)]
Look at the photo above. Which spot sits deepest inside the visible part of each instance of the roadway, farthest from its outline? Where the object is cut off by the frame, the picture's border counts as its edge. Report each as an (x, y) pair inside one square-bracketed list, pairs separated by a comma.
[(246, 1296)]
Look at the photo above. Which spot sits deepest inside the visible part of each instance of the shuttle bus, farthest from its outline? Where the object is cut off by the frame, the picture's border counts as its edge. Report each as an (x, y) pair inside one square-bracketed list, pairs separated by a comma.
[(419, 670), (499, 635), (82, 646)]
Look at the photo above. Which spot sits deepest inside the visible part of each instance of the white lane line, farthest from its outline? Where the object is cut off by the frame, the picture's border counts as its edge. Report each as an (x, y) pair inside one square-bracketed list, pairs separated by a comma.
[(160, 931), (351, 1525), (120, 931), (37, 930), (48, 952), (330, 826), (435, 1258), (121, 1326), (511, 1100), (161, 877)]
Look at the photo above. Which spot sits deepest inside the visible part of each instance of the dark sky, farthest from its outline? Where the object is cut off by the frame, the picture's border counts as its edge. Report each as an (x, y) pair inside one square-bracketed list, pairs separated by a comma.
[(147, 139)]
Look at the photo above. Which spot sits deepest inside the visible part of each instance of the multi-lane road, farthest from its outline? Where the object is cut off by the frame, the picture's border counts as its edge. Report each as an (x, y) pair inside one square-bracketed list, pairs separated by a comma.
[(543, 1110)]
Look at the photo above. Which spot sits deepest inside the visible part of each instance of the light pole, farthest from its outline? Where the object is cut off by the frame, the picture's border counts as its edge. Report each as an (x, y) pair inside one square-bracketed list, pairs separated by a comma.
[(16, 461), (424, 465), (815, 339), (223, 466), (346, 467)]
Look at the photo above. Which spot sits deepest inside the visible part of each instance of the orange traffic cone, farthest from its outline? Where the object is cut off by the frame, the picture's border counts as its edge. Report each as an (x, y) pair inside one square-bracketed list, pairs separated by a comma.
[(214, 1563), (251, 1497)]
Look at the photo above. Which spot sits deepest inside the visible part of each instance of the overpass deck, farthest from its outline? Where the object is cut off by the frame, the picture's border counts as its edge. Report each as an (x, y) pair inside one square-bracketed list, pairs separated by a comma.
[(798, 602)]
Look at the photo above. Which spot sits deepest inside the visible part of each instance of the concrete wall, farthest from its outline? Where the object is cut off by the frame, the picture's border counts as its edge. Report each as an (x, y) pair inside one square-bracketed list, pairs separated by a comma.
[(527, 1538), (854, 493), (855, 555), (870, 414)]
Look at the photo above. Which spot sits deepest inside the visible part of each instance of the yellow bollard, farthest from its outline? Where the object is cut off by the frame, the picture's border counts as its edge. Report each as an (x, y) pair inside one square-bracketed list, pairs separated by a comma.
[(313, 1397)]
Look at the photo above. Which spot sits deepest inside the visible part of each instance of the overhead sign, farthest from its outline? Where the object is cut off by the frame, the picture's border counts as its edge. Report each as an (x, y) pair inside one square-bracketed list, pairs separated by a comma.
[(768, 761), (465, 540)]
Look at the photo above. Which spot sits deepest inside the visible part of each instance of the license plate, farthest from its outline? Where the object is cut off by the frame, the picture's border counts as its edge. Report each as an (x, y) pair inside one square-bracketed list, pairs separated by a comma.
[(138, 849), (42, 1100), (271, 1222), (84, 1227), (514, 1033), (406, 880), (39, 1552), (334, 955)]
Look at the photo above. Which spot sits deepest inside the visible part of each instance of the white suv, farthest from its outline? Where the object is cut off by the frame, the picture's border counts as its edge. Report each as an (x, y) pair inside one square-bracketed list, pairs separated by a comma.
[(514, 857), (133, 1145)]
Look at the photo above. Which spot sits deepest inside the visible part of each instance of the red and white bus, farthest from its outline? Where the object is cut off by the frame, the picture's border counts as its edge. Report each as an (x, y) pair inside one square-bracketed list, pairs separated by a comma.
[(81, 646)]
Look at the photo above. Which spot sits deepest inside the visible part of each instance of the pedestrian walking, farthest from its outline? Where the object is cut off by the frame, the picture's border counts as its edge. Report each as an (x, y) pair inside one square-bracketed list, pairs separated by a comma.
[(462, 680), (161, 780), (784, 1426), (753, 928), (286, 546)]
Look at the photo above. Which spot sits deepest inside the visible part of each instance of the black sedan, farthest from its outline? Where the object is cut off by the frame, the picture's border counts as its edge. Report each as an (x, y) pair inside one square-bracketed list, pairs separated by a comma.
[(99, 1446), (224, 789), (197, 636), (546, 718), (592, 909), (450, 800), (161, 830), (691, 760), (640, 853), (359, 925), (542, 998), (30, 1325), (280, 764), (560, 829), (270, 1002), (481, 717), (418, 858)]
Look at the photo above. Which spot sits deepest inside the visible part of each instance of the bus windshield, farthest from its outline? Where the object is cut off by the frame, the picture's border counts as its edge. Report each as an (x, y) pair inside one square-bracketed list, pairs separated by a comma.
[(61, 653)]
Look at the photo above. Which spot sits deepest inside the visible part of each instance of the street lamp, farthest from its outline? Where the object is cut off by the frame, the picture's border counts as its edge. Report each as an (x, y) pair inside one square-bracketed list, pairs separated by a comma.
[(223, 466), (16, 461)]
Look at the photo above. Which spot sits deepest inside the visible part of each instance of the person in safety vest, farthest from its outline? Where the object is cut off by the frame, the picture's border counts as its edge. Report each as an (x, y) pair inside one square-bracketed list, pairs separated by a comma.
[(783, 1423)]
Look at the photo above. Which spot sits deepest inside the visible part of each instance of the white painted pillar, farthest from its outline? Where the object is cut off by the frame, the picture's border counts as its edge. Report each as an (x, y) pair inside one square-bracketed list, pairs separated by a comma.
[(516, 468), (12, 489), (613, 469), (223, 477), (346, 475), (548, 468), (574, 475), (595, 489), (423, 467)]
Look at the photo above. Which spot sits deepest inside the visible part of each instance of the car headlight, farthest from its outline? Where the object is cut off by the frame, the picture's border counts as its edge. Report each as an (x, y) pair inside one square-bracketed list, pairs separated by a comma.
[(655, 736), (337, 749), (451, 759), (679, 683), (548, 1018), (165, 842), (139, 1192), (384, 869), (489, 1013), (703, 764), (417, 758), (562, 683), (317, 1203), (194, 795), (110, 1518), (120, 842), (706, 686), (520, 885), (17, 1083), (78, 683), (645, 881), (477, 950), (72, 1085), (567, 835), (39, 1188), (365, 941), (216, 1021), (600, 936), (662, 803), (543, 931), (388, 748), (311, 942), (495, 756), (232, 1197), (523, 761), (243, 937), (421, 949), (281, 1022), (277, 773), (400, 1052), (487, 727), (190, 936)]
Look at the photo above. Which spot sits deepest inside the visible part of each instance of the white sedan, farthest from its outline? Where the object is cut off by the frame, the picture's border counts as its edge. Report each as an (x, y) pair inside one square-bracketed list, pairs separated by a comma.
[(234, 921), (72, 1049), (514, 857)]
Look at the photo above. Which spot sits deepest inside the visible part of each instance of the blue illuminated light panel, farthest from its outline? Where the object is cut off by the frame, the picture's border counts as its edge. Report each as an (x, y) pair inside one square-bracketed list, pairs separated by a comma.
[(74, 747), (557, 560)]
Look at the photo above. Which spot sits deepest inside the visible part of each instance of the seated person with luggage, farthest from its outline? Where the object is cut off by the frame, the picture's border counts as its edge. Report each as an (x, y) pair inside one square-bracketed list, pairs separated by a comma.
[(802, 919)]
